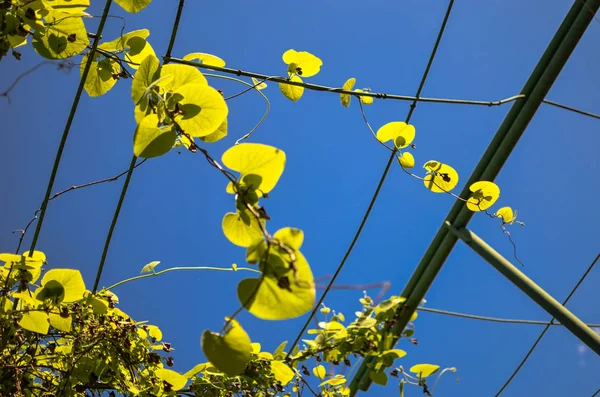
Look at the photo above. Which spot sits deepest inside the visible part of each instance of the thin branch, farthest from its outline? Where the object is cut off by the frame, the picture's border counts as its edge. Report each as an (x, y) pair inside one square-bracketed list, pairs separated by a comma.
[(362, 110), (64, 65), (493, 319)]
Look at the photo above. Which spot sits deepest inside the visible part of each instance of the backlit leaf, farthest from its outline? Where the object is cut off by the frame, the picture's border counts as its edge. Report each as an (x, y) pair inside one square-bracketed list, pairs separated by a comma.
[(440, 177), (205, 59), (407, 160), (348, 86), (133, 6), (306, 64), (65, 36), (241, 228), (35, 321), (219, 134), (175, 379), (290, 236), (507, 215), (147, 73), (61, 323), (71, 281), (229, 353), (424, 370), (271, 299), (100, 76), (282, 372), (260, 165), (258, 85), (319, 371), (292, 92), (203, 109), (150, 140), (380, 378), (366, 100), (484, 195), (399, 132), (149, 267), (182, 75)]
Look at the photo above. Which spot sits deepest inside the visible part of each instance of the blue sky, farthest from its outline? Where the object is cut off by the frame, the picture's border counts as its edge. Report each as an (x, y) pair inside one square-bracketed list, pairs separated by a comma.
[(175, 204)]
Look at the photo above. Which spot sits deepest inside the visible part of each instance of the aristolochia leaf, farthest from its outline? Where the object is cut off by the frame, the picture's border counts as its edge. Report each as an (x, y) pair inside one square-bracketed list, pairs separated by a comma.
[(70, 280), (292, 92), (440, 177), (205, 59), (424, 370), (399, 132), (259, 165), (241, 228), (229, 353), (348, 86), (484, 195), (150, 140), (149, 267), (133, 6), (203, 109), (176, 380)]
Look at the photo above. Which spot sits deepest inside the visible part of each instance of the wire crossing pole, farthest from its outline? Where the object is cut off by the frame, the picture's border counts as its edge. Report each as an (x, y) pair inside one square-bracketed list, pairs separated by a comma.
[(534, 291), (537, 86)]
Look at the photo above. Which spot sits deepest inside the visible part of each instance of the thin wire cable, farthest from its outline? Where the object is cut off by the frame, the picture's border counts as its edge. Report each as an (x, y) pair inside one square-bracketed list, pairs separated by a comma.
[(493, 319), (597, 393), (413, 105), (571, 109), (546, 328)]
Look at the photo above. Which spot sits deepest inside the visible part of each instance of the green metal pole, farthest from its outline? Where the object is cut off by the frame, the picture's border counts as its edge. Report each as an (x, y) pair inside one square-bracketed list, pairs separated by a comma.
[(534, 291), (511, 129)]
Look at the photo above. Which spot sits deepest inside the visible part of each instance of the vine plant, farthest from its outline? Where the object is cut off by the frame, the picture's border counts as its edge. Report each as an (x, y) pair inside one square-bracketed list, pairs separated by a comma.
[(60, 339)]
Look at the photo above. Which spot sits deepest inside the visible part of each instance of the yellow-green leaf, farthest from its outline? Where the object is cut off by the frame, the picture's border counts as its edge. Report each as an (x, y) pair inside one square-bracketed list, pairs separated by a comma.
[(229, 353), (380, 378), (507, 215), (182, 75), (348, 86), (196, 370), (70, 280), (305, 63), (292, 92), (484, 195), (333, 382), (61, 323), (154, 332), (255, 347), (290, 236), (399, 132), (274, 298), (100, 78), (65, 36), (69, 6), (203, 109), (149, 267), (150, 140), (260, 165), (205, 59), (175, 379), (35, 321), (241, 228), (424, 370), (407, 160), (259, 85), (147, 73), (282, 372), (219, 134), (133, 6), (366, 100), (440, 177), (319, 371)]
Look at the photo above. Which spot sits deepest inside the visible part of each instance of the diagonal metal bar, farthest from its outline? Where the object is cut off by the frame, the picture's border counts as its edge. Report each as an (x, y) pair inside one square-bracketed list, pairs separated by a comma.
[(522, 111), (525, 284)]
